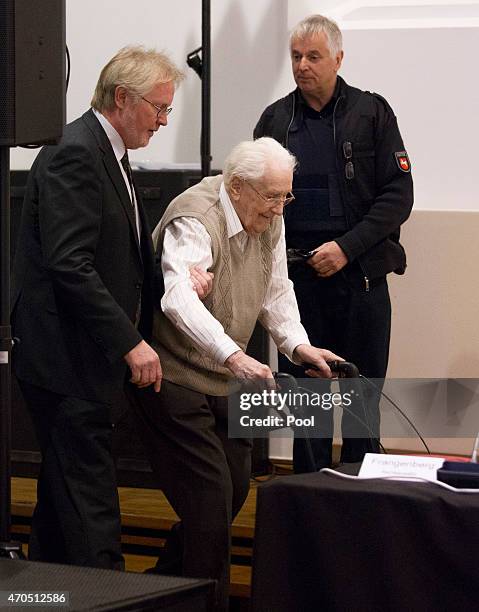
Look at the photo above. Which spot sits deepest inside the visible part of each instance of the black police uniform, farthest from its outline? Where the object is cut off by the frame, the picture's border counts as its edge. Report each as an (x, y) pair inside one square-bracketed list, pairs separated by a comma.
[(353, 185)]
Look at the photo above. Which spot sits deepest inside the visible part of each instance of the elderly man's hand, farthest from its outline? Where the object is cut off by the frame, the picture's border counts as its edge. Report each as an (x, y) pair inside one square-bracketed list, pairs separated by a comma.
[(202, 281), (145, 366), (307, 354), (328, 259), (244, 367)]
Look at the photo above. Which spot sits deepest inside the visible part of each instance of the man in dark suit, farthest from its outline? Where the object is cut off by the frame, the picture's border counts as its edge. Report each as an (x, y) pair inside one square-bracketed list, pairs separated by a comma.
[(82, 304)]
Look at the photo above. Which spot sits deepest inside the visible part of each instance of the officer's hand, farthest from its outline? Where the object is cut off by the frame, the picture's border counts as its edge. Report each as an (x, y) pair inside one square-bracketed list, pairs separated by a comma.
[(244, 367), (145, 366), (305, 353), (202, 281), (328, 259)]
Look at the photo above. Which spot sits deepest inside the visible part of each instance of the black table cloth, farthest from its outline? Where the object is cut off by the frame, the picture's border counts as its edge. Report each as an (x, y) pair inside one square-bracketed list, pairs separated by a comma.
[(326, 543)]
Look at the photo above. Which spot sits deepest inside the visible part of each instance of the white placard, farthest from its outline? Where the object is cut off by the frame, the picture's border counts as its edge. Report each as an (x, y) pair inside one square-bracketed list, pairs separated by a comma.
[(3, 357), (401, 467)]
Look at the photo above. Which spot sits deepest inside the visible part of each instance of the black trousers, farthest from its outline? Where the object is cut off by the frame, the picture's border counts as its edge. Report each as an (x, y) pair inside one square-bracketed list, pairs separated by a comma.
[(77, 517), (203, 473), (340, 315)]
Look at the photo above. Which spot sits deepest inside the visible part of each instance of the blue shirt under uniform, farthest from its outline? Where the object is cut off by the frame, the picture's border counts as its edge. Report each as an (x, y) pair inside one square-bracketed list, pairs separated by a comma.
[(317, 214)]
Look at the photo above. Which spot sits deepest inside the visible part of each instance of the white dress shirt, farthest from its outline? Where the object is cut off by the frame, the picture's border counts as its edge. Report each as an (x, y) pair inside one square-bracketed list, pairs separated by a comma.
[(187, 244), (119, 150)]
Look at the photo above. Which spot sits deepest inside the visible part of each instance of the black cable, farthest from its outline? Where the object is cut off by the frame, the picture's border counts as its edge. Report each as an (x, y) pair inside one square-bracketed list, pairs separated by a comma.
[(309, 449), (370, 382), (347, 369), (68, 69), (353, 414)]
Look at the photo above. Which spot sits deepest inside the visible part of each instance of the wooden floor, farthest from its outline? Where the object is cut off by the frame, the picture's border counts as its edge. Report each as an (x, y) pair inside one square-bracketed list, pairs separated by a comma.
[(146, 518)]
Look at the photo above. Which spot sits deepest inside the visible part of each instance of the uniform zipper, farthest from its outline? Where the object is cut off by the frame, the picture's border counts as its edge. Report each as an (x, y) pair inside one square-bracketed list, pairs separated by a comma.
[(366, 279), (290, 123)]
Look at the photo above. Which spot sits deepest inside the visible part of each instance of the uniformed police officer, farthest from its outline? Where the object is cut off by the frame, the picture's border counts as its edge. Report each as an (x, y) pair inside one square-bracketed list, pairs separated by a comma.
[(353, 190)]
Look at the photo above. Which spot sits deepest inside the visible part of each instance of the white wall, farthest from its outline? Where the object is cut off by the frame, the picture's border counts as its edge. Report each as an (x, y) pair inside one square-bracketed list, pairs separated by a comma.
[(425, 74)]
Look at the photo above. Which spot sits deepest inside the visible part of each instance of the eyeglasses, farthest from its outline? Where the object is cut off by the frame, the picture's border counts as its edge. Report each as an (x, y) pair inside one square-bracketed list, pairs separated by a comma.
[(273, 200), (164, 109)]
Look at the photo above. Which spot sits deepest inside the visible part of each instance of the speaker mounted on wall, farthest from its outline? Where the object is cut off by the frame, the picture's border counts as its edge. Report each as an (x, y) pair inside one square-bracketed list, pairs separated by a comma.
[(32, 71)]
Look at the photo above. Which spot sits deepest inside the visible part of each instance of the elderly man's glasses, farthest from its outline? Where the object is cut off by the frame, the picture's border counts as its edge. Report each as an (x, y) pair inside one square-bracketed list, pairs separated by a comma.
[(274, 200), (164, 109)]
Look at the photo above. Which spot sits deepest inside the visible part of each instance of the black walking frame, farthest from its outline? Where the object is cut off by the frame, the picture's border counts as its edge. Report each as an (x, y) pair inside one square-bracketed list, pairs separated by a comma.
[(341, 369)]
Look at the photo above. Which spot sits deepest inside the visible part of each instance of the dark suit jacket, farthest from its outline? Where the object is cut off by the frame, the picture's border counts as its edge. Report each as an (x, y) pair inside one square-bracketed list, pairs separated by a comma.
[(79, 271)]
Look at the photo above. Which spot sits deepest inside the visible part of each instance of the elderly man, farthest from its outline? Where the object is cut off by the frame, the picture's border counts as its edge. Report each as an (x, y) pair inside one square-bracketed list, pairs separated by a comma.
[(82, 304), (353, 191), (231, 225)]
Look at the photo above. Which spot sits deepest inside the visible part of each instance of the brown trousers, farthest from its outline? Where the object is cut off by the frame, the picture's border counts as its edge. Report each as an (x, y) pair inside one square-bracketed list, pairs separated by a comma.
[(203, 473)]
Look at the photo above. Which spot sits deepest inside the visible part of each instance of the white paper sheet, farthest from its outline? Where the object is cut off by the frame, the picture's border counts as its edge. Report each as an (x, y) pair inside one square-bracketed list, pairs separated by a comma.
[(401, 467)]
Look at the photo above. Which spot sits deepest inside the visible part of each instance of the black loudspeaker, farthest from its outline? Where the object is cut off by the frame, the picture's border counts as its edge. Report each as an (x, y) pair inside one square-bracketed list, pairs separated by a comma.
[(158, 188), (86, 589), (32, 71)]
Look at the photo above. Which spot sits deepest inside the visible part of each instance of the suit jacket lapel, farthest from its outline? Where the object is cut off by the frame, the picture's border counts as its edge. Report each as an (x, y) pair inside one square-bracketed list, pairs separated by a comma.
[(113, 169)]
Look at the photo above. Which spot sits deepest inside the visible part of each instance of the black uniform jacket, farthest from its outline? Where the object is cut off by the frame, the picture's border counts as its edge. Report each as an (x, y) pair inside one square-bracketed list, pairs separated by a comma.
[(79, 269), (379, 198)]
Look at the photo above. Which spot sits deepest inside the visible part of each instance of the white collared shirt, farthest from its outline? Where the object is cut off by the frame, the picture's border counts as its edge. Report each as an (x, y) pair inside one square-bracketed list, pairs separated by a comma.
[(119, 150), (187, 244)]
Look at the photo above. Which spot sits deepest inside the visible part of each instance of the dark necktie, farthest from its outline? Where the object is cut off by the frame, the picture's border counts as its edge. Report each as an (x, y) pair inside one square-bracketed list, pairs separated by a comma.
[(125, 162)]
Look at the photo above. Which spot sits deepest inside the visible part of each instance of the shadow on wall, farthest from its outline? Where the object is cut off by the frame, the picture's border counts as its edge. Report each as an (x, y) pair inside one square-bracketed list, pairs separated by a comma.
[(244, 69)]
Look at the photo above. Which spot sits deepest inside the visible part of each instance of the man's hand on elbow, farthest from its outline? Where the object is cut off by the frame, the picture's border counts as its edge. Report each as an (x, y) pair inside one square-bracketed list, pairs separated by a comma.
[(202, 281), (145, 366)]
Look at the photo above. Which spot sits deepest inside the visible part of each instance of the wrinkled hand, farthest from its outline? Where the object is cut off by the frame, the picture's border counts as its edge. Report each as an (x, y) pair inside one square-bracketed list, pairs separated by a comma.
[(328, 259), (244, 367), (202, 281), (305, 353), (145, 366)]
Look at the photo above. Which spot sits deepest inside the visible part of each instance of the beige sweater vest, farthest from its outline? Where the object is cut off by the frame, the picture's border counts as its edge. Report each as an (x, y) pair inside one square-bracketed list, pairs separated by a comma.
[(239, 287)]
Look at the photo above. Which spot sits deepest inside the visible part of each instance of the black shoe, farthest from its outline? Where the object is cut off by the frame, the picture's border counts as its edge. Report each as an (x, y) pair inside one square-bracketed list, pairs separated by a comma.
[(171, 568), (170, 560)]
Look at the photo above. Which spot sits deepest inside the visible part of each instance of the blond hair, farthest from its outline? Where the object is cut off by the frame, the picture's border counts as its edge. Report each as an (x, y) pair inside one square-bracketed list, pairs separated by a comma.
[(138, 70)]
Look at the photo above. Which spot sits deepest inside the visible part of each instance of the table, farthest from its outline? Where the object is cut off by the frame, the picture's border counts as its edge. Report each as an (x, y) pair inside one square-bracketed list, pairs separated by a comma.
[(326, 543)]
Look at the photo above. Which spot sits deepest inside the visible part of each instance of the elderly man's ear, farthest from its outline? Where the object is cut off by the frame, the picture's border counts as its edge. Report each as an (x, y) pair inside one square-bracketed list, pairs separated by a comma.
[(202, 281), (234, 190)]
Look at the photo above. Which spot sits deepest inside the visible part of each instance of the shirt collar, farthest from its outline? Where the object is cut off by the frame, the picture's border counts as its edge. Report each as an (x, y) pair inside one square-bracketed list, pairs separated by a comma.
[(330, 104), (115, 139), (233, 223)]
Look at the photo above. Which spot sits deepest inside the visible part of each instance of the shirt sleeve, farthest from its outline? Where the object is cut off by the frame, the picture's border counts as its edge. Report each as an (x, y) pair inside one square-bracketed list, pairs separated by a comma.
[(280, 313), (186, 244)]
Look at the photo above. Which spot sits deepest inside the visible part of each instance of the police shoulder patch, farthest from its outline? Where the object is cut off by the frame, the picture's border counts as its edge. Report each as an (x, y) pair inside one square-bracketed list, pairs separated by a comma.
[(402, 161)]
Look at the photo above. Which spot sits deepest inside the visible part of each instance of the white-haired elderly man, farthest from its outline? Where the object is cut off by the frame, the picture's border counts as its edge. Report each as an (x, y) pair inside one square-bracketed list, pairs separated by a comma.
[(232, 226)]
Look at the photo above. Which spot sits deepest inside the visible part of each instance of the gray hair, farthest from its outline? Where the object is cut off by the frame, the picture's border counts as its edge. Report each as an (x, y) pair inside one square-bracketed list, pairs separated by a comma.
[(315, 24), (138, 70), (249, 159)]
